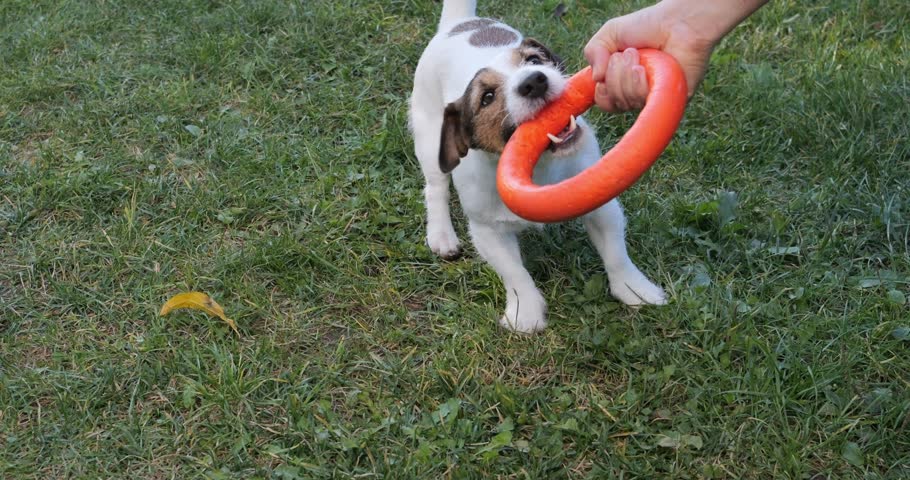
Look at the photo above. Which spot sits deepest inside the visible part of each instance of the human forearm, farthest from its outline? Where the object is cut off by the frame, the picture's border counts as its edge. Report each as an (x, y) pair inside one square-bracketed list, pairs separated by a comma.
[(713, 18)]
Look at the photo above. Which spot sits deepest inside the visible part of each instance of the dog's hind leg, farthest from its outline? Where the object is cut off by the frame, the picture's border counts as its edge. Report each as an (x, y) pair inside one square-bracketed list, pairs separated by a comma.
[(606, 227), (441, 237)]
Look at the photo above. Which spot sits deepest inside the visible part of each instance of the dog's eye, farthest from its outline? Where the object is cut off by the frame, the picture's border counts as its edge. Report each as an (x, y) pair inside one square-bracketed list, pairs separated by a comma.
[(487, 99), (534, 60)]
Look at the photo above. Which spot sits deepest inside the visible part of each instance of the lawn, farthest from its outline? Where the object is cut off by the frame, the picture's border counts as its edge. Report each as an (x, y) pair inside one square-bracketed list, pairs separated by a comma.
[(258, 151)]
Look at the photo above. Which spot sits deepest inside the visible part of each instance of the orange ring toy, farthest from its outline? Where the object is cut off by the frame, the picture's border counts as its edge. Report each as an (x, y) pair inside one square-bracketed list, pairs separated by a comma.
[(611, 175)]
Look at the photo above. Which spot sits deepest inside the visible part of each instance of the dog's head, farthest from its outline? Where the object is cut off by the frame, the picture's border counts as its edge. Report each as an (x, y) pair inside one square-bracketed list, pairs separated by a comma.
[(508, 92)]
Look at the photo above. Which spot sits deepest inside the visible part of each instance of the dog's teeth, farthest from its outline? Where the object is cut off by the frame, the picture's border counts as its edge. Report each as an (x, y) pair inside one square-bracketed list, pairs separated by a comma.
[(554, 138), (571, 123)]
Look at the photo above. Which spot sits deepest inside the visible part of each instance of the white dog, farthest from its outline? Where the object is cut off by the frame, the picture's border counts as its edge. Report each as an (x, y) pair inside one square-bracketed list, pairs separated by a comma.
[(476, 80)]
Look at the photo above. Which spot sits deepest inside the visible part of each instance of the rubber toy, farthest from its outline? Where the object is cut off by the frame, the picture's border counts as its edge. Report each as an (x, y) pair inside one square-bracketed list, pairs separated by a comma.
[(619, 168)]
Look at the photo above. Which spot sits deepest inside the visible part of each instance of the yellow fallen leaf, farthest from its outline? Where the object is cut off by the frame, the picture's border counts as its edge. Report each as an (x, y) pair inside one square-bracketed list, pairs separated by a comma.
[(197, 301)]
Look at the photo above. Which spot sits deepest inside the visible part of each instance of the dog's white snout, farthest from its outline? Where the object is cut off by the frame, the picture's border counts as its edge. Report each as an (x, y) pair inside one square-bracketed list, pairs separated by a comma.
[(530, 88), (534, 85)]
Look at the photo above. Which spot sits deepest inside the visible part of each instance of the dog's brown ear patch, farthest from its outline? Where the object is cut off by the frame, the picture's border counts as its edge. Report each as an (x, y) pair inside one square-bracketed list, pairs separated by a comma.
[(455, 139)]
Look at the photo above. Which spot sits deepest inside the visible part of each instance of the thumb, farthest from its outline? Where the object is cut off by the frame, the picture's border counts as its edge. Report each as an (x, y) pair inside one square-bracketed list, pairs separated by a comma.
[(598, 50)]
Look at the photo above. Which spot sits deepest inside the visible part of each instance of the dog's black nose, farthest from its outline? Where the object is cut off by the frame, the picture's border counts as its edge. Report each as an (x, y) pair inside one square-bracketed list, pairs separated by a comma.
[(534, 86)]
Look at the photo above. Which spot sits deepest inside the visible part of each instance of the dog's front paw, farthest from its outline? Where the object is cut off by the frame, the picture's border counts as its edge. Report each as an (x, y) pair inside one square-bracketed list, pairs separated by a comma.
[(633, 288), (443, 242), (525, 315)]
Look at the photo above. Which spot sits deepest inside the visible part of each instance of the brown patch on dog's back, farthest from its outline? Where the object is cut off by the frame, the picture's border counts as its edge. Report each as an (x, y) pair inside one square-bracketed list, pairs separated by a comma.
[(485, 33), (470, 25), (492, 37)]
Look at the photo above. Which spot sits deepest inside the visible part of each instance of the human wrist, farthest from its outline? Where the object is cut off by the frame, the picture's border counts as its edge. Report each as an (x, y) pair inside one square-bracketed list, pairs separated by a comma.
[(710, 20)]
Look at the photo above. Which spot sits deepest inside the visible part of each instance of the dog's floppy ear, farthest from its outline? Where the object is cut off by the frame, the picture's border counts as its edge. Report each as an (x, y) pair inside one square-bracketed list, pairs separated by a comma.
[(455, 139)]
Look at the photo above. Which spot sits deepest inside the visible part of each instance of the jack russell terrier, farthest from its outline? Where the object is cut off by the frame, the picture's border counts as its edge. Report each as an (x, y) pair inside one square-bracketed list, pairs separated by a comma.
[(475, 82)]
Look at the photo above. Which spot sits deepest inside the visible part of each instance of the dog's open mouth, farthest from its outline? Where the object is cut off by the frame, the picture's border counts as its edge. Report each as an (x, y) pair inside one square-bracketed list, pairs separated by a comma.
[(566, 137)]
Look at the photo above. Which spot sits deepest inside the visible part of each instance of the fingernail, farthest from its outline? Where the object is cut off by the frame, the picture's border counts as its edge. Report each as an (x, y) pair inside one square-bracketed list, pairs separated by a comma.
[(601, 98), (600, 67)]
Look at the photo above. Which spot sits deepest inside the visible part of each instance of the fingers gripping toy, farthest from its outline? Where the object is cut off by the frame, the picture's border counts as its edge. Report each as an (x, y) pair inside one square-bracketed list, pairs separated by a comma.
[(611, 175)]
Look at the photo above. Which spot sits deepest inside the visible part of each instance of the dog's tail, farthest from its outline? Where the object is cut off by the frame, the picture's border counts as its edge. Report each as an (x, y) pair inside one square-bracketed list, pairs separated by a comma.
[(454, 10)]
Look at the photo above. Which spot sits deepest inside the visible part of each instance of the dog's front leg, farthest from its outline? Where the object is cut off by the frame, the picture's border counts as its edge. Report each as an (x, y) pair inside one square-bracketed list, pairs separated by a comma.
[(606, 227), (441, 237), (525, 307)]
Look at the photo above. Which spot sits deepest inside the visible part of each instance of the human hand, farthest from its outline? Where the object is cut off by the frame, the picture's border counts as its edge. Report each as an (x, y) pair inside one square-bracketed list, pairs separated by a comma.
[(621, 83), (686, 29)]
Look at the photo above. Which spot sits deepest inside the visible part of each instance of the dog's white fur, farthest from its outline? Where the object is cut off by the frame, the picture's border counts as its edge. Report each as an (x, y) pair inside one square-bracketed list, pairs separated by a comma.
[(444, 71)]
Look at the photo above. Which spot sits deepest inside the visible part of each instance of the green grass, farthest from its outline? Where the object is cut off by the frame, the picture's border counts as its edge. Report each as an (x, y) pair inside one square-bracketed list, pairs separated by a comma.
[(258, 151)]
